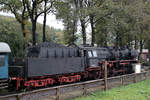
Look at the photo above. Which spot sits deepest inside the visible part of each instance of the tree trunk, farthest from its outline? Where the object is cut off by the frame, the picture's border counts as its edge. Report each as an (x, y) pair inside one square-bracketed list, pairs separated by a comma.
[(117, 39), (149, 50), (24, 34), (34, 32), (141, 48), (82, 20), (23, 29), (44, 22), (73, 32), (83, 31), (93, 30), (135, 44), (120, 41)]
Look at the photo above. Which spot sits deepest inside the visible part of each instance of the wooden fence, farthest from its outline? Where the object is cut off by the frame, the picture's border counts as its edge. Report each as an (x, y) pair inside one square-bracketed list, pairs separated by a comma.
[(78, 89)]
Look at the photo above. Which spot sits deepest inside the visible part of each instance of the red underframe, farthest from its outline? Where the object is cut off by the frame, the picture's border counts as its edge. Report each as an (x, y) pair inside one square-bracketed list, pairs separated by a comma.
[(73, 77)]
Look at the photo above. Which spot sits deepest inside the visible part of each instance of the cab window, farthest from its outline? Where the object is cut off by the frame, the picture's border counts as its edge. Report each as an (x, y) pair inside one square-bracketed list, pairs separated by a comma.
[(94, 53), (90, 53), (2, 60)]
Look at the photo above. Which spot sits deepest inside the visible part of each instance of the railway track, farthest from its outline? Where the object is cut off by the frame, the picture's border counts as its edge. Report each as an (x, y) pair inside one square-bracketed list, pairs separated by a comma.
[(77, 89)]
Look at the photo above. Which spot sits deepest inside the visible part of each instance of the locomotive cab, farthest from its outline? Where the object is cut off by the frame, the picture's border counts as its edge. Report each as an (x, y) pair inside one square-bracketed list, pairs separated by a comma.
[(91, 56), (4, 50), (94, 55)]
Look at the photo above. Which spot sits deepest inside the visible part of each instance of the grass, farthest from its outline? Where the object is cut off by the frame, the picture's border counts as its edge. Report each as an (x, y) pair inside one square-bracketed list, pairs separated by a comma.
[(137, 91)]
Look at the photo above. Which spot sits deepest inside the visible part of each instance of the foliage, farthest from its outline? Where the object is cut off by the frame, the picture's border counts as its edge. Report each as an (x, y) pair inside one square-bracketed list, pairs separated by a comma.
[(24, 10), (35, 8), (18, 9), (10, 31), (122, 23), (112, 22), (67, 12)]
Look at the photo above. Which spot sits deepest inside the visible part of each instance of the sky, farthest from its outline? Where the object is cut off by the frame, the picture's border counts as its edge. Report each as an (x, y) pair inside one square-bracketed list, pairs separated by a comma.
[(51, 20)]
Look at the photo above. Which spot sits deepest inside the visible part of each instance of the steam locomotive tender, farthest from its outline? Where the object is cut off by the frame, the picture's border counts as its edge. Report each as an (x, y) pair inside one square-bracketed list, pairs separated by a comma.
[(49, 63)]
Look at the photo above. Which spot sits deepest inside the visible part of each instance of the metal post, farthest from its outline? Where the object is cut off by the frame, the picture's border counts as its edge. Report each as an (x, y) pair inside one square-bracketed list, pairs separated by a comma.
[(105, 75)]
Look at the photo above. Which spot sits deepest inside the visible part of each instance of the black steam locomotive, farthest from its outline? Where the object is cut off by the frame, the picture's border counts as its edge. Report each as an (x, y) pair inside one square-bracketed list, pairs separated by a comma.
[(50, 63)]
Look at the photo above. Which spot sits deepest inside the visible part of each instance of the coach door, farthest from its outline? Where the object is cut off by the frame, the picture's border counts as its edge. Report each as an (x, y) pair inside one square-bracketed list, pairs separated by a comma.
[(3, 66)]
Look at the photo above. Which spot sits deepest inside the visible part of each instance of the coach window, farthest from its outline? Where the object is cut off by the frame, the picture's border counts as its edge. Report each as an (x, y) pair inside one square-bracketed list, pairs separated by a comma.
[(94, 53), (2, 60)]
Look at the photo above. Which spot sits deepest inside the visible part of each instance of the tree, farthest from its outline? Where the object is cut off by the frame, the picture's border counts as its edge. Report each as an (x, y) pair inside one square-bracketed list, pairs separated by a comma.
[(141, 24), (51, 9), (18, 8), (67, 12), (34, 8), (10, 33), (10, 30), (82, 17), (44, 21), (91, 7)]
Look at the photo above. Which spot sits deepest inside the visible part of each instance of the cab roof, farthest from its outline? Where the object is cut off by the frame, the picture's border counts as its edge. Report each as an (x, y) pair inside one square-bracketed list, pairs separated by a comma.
[(4, 48)]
